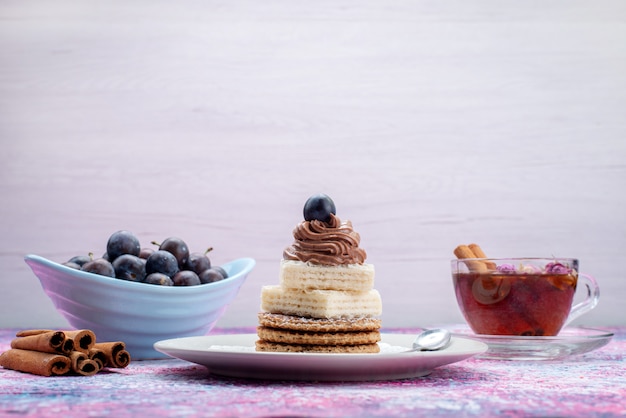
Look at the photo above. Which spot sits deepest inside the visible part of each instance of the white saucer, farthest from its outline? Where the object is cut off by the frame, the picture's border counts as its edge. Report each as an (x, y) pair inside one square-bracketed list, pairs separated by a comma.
[(569, 342), (235, 356)]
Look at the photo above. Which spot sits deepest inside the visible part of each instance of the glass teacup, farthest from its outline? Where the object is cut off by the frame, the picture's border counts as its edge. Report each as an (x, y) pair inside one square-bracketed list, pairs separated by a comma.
[(521, 296)]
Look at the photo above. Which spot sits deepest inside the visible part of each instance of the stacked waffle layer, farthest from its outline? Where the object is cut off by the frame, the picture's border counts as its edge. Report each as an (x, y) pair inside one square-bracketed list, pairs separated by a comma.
[(323, 309)]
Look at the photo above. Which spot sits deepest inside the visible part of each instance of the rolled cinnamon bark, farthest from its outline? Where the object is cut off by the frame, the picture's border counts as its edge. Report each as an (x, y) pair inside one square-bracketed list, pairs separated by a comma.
[(464, 253), (115, 352), (35, 362), (81, 364), (479, 253), (98, 356), (28, 332), (84, 339), (45, 342)]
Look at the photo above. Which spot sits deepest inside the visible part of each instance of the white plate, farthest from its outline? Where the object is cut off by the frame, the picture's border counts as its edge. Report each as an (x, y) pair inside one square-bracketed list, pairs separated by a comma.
[(234, 356), (569, 342)]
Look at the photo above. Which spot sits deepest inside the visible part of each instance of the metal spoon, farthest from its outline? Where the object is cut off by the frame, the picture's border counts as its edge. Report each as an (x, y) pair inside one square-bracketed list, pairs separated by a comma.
[(432, 340)]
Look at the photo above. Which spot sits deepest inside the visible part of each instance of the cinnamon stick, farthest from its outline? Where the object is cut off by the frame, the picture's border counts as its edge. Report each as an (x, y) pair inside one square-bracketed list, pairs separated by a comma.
[(35, 362), (115, 353), (84, 339), (28, 332), (98, 356), (463, 252), (82, 364), (479, 253), (45, 342)]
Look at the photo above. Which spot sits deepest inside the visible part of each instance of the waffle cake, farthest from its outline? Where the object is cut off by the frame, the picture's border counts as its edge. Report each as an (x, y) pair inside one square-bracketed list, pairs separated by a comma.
[(325, 301)]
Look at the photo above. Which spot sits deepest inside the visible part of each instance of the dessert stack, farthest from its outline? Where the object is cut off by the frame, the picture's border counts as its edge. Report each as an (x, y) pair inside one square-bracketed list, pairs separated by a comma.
[(326, 301)]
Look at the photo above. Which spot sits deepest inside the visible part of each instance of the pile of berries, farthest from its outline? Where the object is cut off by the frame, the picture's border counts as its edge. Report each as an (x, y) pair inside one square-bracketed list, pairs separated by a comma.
[(170, 265)]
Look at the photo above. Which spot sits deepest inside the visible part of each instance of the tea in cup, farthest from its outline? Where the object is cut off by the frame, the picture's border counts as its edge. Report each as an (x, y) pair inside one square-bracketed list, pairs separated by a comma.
[(521, 296)]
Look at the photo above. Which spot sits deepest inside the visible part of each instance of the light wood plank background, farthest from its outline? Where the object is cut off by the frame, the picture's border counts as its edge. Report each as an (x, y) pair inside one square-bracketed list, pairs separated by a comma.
[(430, 123)]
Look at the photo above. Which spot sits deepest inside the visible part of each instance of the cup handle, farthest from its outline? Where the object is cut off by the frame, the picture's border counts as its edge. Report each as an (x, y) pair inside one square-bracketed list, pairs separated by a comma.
[(591, 298)]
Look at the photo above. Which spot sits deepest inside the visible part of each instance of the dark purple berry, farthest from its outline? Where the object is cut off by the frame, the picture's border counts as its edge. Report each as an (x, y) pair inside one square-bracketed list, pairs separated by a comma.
[(198, 262), (162, 262), (145, 253), (178, 248), (122, 242), (130, 267), (159, 279), (319, 207), (99, 266), (210, 276), (186, 278), (221, 270), (80, 259)]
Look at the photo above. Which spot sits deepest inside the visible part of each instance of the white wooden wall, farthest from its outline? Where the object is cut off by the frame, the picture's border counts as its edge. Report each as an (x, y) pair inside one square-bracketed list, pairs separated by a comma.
[(430, 123)]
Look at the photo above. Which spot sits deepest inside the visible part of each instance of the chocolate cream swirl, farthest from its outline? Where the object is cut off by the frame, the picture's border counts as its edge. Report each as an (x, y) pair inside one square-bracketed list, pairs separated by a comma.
[(329, 243)]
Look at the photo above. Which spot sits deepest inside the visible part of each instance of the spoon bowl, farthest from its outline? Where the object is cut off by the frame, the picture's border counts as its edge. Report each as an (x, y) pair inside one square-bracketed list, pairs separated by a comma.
[(432, 340)]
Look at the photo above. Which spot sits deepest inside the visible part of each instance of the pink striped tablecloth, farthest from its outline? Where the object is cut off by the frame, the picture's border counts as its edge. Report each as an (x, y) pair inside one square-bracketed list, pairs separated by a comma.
[(591, 384)]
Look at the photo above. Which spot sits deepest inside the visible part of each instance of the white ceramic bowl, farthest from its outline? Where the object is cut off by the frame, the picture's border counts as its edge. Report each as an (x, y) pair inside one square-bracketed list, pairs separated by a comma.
[(138, 314)]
